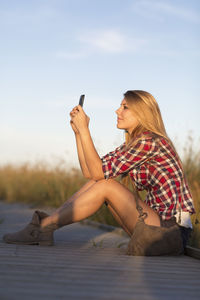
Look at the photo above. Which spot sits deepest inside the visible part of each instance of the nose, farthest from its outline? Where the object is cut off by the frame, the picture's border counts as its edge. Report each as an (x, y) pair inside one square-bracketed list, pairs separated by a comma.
[(118, 111)]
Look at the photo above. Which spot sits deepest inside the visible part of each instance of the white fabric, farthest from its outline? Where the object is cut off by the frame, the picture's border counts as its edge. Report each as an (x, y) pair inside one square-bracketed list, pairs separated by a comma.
[(185, 219)]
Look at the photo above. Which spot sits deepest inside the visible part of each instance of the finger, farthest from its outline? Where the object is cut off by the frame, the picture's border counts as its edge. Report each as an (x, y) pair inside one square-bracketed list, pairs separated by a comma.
[(75, 108), (80, 108), (73, 113)]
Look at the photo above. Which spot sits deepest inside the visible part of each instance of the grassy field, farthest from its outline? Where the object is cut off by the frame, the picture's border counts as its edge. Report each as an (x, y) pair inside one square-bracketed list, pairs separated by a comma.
[(40, 186)]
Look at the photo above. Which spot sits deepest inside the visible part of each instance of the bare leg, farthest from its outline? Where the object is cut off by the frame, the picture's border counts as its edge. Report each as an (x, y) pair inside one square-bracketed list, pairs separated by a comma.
[(89, 201), (84, 188), (117, 218)]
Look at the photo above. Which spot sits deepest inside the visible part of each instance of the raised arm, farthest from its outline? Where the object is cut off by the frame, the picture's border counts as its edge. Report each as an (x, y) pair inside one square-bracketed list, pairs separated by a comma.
[(87, 148), (80, 153), (81, 157)]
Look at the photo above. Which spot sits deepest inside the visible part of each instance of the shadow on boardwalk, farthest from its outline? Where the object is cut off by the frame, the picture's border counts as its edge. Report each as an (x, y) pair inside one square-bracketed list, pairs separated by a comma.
[(87, 263)]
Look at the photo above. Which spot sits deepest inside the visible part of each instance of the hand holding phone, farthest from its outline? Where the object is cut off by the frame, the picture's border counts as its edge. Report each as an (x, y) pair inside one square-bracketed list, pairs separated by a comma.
[(81, 100), (78, 118)]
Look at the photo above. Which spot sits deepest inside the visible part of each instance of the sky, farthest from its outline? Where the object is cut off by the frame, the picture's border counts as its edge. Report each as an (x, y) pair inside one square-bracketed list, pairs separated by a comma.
[(52, 51)]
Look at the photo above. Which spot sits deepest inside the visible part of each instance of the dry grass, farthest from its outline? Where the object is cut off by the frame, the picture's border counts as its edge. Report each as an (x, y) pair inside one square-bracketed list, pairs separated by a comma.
[(39, 186), (191, 164)]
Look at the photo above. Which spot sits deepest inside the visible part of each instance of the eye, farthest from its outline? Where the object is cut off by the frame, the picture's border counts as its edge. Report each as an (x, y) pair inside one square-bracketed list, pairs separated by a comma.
[(125, 107)]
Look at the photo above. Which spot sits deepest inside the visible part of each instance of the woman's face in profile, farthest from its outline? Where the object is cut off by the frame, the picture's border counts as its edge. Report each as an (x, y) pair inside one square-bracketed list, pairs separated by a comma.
[(125, 117)]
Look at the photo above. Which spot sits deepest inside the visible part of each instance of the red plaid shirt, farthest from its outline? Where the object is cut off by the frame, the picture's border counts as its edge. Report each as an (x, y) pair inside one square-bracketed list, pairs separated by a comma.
[(153, 165)]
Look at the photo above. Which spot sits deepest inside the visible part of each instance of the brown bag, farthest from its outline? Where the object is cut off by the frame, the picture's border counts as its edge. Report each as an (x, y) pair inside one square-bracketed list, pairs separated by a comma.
[(149, 240)]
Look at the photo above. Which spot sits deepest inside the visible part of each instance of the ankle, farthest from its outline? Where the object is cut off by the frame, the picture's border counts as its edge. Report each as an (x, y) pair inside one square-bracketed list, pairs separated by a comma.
[(45, 222), (49, 224)]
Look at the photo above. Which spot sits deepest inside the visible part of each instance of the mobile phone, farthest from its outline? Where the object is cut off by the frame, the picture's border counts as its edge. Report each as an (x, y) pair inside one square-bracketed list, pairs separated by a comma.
[(81, 100)]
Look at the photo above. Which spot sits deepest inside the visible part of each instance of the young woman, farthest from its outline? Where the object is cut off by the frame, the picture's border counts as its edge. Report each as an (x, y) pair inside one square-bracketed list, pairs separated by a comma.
[(160, 224)]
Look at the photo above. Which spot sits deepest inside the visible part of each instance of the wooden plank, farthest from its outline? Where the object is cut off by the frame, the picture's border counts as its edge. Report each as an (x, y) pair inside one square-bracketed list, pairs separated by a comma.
[(193, 252), (75, 269)]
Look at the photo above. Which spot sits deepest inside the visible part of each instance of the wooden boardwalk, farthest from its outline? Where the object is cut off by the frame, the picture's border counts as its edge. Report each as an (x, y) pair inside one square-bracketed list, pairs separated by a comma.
[(88, 263)]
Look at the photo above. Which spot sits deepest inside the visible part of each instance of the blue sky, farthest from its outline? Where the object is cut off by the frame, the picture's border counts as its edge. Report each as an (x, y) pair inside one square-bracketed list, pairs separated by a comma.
[(53, 51)]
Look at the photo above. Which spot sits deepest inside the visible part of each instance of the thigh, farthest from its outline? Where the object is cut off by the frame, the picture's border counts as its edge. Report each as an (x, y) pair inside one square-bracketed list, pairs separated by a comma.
[(123, 202), (85, 187)]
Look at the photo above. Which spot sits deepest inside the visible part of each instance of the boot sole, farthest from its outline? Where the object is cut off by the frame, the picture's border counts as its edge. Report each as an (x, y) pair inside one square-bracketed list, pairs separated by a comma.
[(41, 243)]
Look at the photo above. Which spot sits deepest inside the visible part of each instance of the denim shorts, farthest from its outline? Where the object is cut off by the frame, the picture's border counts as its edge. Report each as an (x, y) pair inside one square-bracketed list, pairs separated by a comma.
[(185, 232)]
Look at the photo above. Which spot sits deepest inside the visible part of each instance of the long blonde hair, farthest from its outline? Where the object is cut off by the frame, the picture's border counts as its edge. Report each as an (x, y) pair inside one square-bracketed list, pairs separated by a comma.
[(146, 109)]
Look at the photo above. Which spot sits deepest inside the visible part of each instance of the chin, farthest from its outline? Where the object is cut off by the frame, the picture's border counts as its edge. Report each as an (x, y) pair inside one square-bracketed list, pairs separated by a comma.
[(120, 127)]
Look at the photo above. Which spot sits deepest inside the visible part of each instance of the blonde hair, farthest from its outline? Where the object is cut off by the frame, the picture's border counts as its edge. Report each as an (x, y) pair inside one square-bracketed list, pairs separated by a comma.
[(146, 109)]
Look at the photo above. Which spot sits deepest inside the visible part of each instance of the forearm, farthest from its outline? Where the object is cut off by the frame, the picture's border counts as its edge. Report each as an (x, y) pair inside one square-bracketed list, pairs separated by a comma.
[(92, 159), (81, 157)]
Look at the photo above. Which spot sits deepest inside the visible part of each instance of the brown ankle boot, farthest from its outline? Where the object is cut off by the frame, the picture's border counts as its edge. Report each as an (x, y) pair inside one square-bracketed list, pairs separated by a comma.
[(33, 234)]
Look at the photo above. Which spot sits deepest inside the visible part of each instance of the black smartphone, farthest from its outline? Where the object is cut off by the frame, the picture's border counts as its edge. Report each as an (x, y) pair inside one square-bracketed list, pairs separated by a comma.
[(81, 100)]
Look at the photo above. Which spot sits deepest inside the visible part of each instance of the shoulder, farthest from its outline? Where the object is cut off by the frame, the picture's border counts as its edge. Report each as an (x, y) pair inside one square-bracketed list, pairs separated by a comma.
[(151, 137), (158, 143), (148, 141), (148, 135), (146, 138)]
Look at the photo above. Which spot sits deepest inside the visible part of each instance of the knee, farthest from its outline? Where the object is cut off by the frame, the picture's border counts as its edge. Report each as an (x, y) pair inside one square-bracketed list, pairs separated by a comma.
[(105, 181), (91, 181), (104, 185)]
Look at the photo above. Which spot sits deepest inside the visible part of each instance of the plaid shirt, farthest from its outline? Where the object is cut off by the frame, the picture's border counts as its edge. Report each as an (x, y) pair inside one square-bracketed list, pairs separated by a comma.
[(154, 166)]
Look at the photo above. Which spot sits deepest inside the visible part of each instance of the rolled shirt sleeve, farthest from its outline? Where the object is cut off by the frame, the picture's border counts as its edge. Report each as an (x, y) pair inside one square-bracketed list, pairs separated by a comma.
[(122, 161)]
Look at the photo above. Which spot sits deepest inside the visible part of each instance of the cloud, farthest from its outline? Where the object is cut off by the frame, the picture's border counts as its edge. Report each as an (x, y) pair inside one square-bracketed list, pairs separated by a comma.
[(155, 8), (109, 41)]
